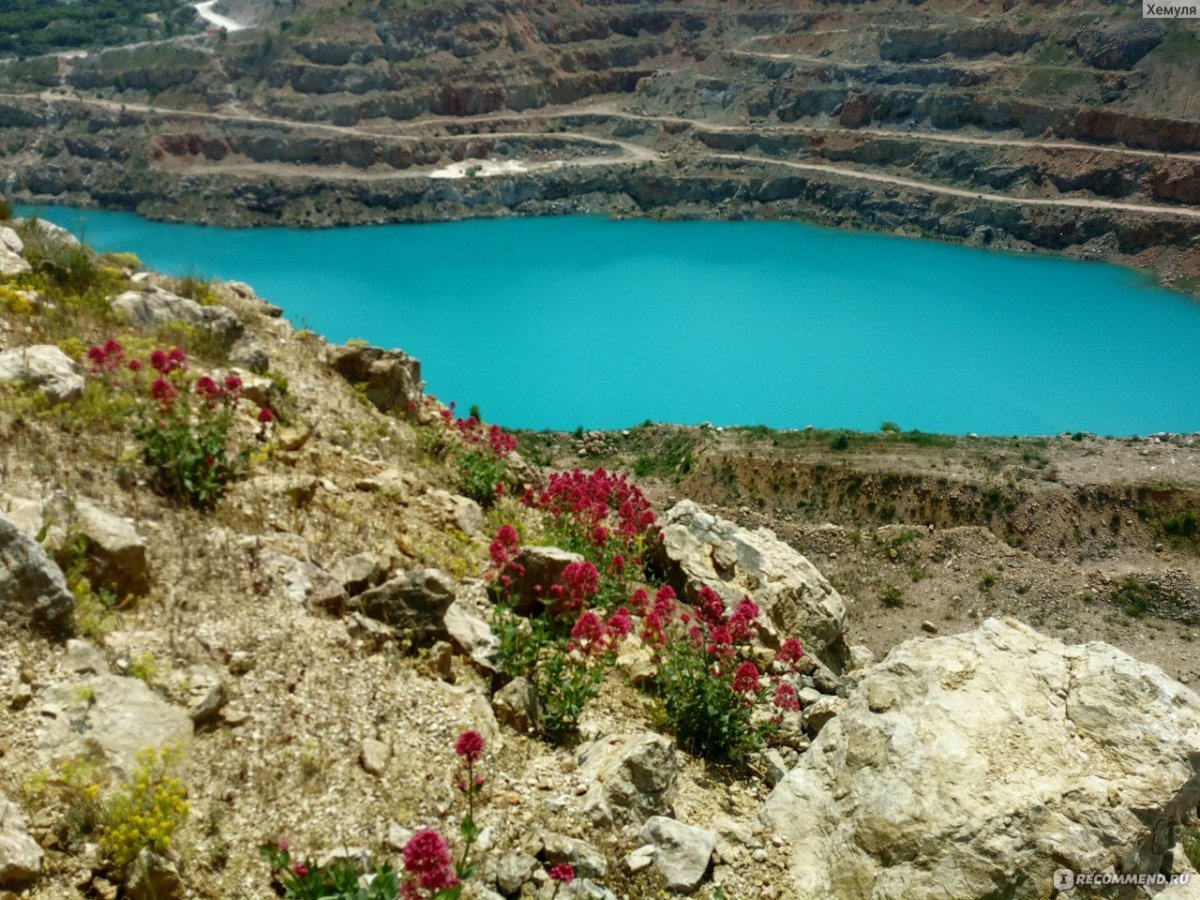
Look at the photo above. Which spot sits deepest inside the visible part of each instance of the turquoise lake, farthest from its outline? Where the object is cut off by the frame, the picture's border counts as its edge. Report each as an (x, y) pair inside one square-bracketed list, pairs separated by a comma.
[(560, 322)]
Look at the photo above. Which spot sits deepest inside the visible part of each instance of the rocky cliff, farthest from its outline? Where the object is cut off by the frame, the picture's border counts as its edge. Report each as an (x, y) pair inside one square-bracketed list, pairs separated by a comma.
[(1021, 127)]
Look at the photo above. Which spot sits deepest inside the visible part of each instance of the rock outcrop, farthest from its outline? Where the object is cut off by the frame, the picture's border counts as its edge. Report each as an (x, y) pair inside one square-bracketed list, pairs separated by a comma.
[(46, 368), (699, 549), (20, 855), (390, 379), (632, 777), (977, 765), (156, 307)]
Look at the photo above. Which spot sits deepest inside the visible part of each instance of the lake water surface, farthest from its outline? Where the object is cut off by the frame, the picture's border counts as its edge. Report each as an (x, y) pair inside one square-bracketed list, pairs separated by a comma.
[(559, 322)]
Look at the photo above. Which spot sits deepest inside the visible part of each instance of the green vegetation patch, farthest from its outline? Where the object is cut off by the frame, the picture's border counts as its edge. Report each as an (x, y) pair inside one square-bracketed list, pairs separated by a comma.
[(35, 27)]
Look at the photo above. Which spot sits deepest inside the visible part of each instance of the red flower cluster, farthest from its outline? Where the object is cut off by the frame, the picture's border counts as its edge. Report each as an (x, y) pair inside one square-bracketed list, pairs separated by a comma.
[(167, 361), (590, 497), (469, 746), (427, 859), (563, 873), (108, 357), (472, 431), (592, 636), (580, 582), (658, 616)]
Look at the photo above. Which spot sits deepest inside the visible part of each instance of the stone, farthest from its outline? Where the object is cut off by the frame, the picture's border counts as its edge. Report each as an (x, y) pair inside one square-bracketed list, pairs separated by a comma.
[(587, 861), (513, 870), (641, 858), (516, 705), (471, 635), (776, 766), (860, 656), (977, 764), (374, 635), (154, 877), (302, 581), (201, 690), (374, 756), (416, 600), (11, 241), (248, 353), (454, 511), (33, 591), (818, 714), (391, 379), (629, 776), (20, 854), (359, 858), (359, 572), (155, 307), (699, 549), (928, 627), (113, 716), (1121, 46), (45, 368), (53, 232), (542, 567), (115, 553), (13, 263), (682, 853), (84, 657)]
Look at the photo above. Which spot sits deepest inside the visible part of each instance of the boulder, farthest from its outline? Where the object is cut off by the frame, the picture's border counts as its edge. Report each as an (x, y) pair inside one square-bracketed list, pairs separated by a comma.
[(532, 573), (13, 263), (201, 690), (630, 777), (359, 572), (11, 241), (978, 764), (471, 635), (390, 378), (111, 716), (514, 869), (516, 705), (454, 511), (585, 859), (681, 853), (155, 307), (374, 756), (416, 600), (115, 552), (46, 368), (699, 549), (249, 353), (32, 588), (20, 855)]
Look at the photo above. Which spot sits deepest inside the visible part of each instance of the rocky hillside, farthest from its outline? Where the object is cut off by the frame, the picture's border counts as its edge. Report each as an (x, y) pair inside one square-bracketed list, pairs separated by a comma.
[(1067, 127), (260, 591)]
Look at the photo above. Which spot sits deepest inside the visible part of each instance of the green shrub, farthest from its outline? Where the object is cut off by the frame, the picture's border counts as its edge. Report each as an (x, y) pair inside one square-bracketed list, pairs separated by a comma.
[(841, 442), (480, 470), (892, 596), (6, 209), (1184, 525)]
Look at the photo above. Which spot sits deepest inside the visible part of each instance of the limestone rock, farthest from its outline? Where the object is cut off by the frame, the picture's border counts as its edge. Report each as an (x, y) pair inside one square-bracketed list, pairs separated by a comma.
[(1119, 47), (699, 549), (156, 306), (542, 567), (583, 857), (513, 870), (116, 553), (20, 855), (201, 690), (516, 705), (470, 634), (630, 776), (250, 354), (374, 756), (682, 853), (298, 489), (32, 588), (416, 600), (85, 657), (53, 232), (978, 764), (13, 263), (817, 715), (11, 241), (391, 379), (46, 368), (113, 716), (860, 656), (302, 581), (359, 572), (454, 511)]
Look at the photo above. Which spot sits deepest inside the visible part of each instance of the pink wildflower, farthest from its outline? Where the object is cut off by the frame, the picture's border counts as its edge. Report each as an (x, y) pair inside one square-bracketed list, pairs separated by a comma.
[(469, 746), (745, 679)]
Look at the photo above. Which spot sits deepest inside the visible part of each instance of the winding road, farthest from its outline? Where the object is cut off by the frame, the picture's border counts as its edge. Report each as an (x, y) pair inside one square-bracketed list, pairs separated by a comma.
[(206, 12)]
